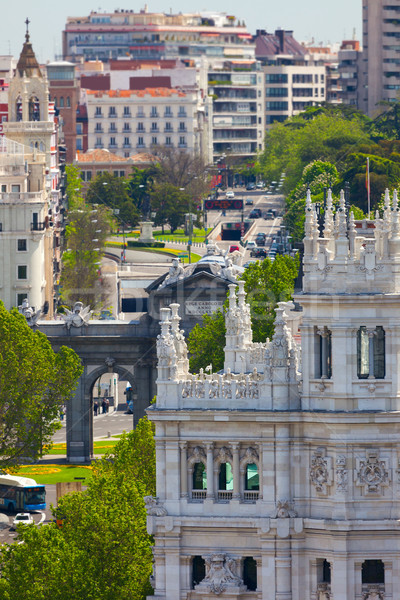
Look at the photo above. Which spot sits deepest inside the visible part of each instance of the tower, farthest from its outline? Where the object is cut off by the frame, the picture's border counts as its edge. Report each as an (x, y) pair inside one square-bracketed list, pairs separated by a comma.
[(277, 479)]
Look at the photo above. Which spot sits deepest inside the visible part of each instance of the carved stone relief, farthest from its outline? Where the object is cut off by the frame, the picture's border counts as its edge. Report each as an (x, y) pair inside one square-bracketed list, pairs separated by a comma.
[(321, 471), (372, 474), (221, 573)]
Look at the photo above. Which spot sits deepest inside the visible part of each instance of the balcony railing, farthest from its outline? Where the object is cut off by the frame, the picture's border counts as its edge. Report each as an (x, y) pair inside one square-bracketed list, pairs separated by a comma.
[(199, 494), (99, 145), (38, 226), (140, 130), (99, 130), (98, 115), (224, 495), (126, 145), (168, 129), (112, 130), (251, 495)]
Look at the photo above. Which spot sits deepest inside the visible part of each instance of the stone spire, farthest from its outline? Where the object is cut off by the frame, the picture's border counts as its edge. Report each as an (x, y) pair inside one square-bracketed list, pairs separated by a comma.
[(27, 63), (328, 224)]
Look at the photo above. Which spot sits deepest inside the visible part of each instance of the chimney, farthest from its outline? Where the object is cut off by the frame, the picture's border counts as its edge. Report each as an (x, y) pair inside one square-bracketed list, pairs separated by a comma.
[(280, 34)]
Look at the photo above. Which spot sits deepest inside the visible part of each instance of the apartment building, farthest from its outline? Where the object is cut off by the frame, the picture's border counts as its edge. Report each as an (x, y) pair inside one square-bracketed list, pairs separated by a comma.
[(64, 92), (123, 120), (349, 71), (293, 80), (381, 54), (238, 117)]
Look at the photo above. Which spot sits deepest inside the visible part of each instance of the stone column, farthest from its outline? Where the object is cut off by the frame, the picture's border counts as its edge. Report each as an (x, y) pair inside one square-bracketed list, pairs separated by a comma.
[(184, 477), (160, 468), (339, 577), (236, 471), (143, 373), (79, 422), (210, 470), (324, 351), (282, 463), (283, 564)]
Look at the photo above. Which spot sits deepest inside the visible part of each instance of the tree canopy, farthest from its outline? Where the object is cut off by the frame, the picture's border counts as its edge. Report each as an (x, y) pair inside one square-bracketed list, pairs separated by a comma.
[(35, 382), (267, 283), (102, 551)]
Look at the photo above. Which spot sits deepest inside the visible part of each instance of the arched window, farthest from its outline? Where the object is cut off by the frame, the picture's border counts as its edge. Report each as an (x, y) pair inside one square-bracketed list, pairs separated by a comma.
[(250, 573), (225, 479), (199, 476), (371, 353), (34, 109), (252, 480), (198, 570), (68, 102), (61, 101), (18, 109)]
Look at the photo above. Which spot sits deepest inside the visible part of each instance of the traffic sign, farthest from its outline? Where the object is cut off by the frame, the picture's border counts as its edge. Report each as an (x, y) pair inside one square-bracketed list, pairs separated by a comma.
[(223, 204), (189, 242)]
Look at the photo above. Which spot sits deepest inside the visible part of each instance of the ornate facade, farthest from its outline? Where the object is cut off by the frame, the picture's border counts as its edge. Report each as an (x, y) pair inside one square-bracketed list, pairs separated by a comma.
[(279, 478)]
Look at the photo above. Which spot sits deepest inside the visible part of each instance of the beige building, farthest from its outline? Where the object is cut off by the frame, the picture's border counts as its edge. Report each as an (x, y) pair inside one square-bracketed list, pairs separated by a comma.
[(277, 478), (381, 63)]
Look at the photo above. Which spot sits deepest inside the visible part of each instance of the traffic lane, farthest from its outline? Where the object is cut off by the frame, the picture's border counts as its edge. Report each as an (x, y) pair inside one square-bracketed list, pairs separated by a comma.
[(112, 422), (8, 535)]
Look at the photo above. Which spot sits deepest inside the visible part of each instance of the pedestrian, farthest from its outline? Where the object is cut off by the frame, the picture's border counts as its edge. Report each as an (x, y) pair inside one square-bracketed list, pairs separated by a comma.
[(104, 406), (107, 405), (95, 407)]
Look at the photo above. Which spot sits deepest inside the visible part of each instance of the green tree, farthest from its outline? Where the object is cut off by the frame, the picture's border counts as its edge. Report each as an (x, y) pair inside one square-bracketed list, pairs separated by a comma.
[(113, 192), (206, 343), (267, 283), (170, 205), (34, 383), (87, 230), (102, 551)]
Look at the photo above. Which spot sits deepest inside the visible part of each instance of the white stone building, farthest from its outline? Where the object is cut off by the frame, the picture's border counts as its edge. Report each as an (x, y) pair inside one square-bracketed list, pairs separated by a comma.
[(123, 120), (278, 478)]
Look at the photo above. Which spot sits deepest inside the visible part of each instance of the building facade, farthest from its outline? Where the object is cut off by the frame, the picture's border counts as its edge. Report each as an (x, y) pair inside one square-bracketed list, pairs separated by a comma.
[(277, 478), (381, 63), (64, 92)]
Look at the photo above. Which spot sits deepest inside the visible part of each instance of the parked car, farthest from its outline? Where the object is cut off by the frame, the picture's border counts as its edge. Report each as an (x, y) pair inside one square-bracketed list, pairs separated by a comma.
[(260, 241), (250, 262), (230, 194), (258, 253), (249, 201), (234, 249), (25, 518), (255, 213), (251, 186)]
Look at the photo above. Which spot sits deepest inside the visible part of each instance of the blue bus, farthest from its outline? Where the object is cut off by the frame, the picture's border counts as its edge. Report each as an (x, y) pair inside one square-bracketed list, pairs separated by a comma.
[(21, 494)]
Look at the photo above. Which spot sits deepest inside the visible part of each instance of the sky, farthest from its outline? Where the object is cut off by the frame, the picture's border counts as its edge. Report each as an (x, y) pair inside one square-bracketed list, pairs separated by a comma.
[(309, 19)]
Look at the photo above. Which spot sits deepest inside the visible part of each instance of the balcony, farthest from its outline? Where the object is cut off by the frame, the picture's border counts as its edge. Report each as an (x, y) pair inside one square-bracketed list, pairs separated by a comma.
[(127, 115), (168, 115), (99, 130), (141, 130), (112, 130), (224, 495), (182, 130), (182, 145), (112, 146), (127, 145), (140, 145), (154, 130), (99, 145), (250, 496), (38, 226), (98, 115), (112, 115), (199, 495), (182, 114), (168, 130), (154, 115), (140, 115), (126, 130)]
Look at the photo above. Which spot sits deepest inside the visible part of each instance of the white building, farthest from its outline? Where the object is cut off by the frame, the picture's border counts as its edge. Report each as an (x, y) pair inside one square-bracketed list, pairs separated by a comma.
[(277, 479), (122, 120)]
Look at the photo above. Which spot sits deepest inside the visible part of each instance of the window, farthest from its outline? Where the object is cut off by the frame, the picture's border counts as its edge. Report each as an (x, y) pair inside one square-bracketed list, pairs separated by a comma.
[(154, 127), (323, 353), (112, 112), (113, 127), (250, 573), (225, 479), (372, 571), (168, 141), (199, 476), (15, 188), (276, 78), (20, 299), (98, 112), (22, 272), (3, 188), (168, 126), (99, 127), (198, 570), (99, 142), (113, 141), (182, 112), (22, 245), (277, 92), (154, 140), (140, 126), (127, 127), (127, 111), (127, 141), (61, 101), (316, 78), (68, 102), (371, 353), (153, 112), (79, 144), (168, 112), (251, 478), (79, 129), (277, 105), (140, 141), (182, 126)]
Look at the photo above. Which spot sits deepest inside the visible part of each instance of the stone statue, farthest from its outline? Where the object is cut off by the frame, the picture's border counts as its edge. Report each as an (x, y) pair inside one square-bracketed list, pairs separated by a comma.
[(229, 272), (153, 508), (175, 272), (221, 573), (78, 316), (30, 315), (284, 509)]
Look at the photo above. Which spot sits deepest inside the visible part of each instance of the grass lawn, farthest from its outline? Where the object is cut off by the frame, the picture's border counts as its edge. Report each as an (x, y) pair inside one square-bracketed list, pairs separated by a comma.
[(199, 235), (100, 447), (52, 474)]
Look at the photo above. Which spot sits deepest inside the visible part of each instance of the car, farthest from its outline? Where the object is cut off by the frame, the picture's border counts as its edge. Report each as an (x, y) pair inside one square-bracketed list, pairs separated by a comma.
[(230, 194), (249, 201), (258, 253), (261, 234), (260, 185), (251, 244), (260, 241), (250, 262), (251, 186), (270, 214), (255, 213), (234, 249), (25, 518)]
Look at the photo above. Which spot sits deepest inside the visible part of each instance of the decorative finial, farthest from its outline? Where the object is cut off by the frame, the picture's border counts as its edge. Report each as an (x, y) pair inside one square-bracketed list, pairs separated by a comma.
[(27, 21)]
